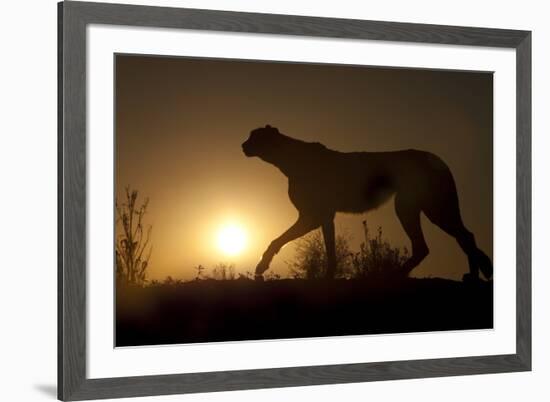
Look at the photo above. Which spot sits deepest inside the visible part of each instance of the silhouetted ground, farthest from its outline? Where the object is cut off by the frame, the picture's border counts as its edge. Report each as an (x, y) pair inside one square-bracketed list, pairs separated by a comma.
[(211, 310)]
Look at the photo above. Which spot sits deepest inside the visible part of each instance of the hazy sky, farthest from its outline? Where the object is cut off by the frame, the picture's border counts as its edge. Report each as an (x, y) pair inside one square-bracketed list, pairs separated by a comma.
[(180, 123)]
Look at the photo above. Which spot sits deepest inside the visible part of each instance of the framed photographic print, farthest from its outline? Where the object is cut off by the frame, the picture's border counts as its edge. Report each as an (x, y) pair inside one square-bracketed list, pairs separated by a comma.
[(253, 201)]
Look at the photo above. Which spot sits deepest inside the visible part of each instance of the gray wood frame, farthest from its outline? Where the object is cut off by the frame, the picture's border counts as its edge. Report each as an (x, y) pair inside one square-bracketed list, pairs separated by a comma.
[(73, 17)]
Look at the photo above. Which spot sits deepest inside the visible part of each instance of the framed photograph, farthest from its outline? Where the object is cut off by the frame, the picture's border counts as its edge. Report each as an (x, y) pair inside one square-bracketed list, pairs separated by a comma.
[(254, 201)]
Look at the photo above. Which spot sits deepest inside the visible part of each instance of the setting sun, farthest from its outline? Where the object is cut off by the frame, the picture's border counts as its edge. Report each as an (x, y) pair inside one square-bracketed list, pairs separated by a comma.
[(231, 239)]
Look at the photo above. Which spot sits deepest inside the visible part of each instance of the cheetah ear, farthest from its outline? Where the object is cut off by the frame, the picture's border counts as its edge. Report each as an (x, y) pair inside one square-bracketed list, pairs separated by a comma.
[(267, 126)]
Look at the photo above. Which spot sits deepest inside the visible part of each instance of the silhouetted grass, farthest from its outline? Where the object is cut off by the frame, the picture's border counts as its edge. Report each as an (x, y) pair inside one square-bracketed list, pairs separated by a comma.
[(375, 257)]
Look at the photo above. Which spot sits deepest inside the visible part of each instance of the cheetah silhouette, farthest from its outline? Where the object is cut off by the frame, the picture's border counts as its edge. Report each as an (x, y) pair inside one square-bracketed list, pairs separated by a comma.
[(322, 182)]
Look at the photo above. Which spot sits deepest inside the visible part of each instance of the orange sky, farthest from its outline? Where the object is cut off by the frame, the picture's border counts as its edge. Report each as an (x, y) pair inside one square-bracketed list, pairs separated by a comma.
[(180, 123)]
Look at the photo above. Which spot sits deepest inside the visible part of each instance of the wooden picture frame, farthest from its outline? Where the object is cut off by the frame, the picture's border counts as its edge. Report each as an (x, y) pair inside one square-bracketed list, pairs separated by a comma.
[(74, 17)]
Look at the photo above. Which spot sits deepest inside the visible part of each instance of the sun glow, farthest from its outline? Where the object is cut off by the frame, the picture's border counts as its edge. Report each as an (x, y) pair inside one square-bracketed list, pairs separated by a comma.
[(231, 239)]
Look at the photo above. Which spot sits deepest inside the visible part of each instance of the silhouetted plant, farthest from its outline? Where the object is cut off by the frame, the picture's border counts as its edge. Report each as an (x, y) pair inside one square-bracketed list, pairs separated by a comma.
[(170, 281), (224, 272), (247, 276), (200, 269), (272, 276), (310, 259), (376, 256), (132, 250)]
